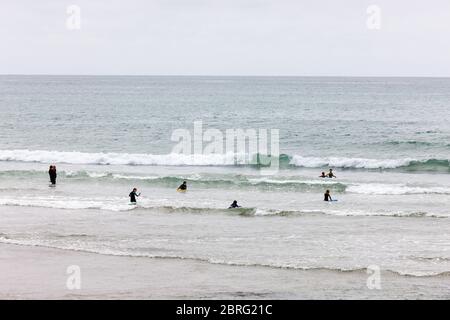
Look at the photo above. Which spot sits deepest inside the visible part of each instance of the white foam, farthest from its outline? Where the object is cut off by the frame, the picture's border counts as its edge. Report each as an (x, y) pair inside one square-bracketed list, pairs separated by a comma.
[(118, 204), (67, 203), (389, 213), (97, 174), (362, 163), (394, 189), (293, 181), (88, 173), (126, 177), (75, 157), (175, 159)]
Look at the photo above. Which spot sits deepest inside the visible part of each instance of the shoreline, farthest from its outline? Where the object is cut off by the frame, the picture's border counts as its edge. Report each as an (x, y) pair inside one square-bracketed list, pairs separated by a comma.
[(338, 271), (28, 272)]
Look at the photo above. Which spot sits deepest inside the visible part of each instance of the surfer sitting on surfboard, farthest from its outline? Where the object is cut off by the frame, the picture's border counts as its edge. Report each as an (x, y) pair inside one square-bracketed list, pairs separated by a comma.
[(327, 196), (182, 187), (234, 205), (133, 195), (331, 174)]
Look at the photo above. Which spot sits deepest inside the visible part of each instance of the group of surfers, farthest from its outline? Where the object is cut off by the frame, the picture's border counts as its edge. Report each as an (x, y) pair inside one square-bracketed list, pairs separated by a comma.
[(183, 188)]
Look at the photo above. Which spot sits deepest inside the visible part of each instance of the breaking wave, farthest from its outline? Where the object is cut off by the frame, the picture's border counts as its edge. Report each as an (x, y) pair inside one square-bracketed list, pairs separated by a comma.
[(174, 159), (362, 163)]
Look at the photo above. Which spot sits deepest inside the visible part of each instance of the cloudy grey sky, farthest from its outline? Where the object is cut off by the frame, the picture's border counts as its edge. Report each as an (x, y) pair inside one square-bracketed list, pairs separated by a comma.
[(226, 37)]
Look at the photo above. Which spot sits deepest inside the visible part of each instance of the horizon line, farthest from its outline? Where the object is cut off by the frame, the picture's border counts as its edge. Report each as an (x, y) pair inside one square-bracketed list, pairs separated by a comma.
[(223, 75)]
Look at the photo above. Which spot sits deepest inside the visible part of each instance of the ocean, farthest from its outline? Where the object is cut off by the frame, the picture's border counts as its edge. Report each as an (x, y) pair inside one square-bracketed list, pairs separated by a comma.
[(386, 139)]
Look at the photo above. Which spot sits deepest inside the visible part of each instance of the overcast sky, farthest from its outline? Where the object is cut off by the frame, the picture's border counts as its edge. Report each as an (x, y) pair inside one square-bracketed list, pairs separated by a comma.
[(226, 37)]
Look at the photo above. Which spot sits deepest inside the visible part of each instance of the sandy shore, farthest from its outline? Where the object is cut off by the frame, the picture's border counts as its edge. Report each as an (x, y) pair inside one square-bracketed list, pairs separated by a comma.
[(37, 272)]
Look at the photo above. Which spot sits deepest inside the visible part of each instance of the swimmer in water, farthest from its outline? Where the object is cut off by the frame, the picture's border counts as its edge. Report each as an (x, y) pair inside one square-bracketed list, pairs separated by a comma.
[(323, 175)]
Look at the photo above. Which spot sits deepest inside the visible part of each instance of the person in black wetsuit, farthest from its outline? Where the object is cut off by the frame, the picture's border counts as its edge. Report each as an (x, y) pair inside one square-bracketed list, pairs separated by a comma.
[(234, 205), (331, 174), (327, 196), (52, 174), (323, 175), (183, 186), (133, 195)]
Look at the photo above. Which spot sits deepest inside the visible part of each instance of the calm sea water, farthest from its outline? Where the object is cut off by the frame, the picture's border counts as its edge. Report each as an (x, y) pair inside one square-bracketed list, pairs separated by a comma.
[(388, 140), (344, 117)]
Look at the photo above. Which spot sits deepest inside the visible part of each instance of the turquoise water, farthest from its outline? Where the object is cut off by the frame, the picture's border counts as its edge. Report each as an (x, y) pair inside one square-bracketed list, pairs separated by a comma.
[(388, 140)]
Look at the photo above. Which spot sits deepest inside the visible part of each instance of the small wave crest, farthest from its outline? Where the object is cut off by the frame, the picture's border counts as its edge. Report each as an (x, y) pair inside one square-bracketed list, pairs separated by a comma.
[(201, 180), (133, 253), (119, 205)]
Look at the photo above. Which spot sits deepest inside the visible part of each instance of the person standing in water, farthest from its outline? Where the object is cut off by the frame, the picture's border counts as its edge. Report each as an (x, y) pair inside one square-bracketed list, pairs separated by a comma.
[(133, 195), (327, 196), (52, 174), (234, 205), (331, 174), (323, 175), (182, 187)]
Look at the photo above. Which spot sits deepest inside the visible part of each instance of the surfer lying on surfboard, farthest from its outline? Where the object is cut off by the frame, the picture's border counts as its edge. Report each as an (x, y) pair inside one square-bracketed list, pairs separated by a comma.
[(234, 205)]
